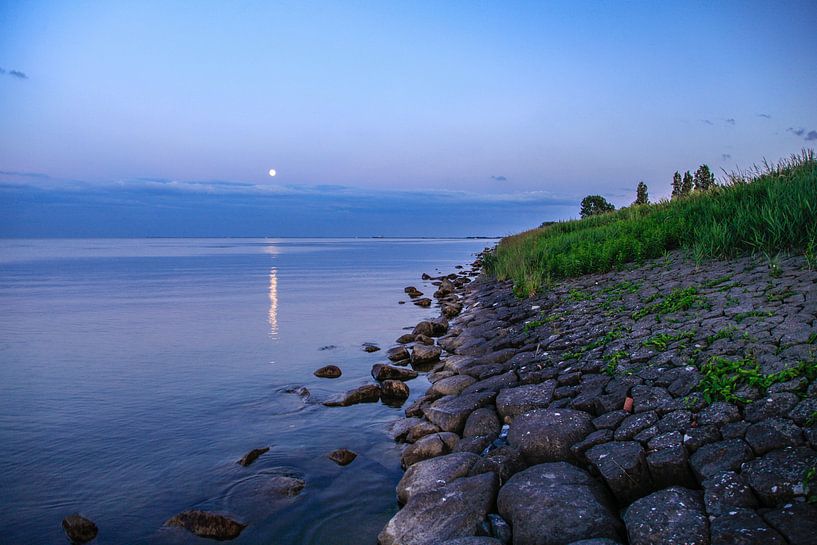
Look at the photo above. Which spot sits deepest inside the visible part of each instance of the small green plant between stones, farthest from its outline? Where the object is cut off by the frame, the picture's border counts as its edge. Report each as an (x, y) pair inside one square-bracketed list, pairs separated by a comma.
[(808, 479), (741, 316), (662, 341), (723, 377), (612, 361), (677, 300), (574, 296)]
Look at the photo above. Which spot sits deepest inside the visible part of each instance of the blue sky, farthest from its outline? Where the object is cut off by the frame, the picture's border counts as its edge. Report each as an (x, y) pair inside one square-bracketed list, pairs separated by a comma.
[(382, 118)]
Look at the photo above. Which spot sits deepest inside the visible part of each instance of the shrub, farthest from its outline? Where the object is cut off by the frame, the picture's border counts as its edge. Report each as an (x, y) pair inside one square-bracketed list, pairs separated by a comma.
[(593, 205)]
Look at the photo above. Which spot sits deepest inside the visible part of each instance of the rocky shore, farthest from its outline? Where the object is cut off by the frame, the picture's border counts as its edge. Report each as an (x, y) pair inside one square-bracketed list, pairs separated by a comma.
[(670, 403)]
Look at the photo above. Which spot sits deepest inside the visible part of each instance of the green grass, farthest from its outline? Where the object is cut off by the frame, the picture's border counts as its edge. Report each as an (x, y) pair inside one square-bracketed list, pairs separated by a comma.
[(741, 316), (766, 212), (662, 341), (722, 377), (677, 300)]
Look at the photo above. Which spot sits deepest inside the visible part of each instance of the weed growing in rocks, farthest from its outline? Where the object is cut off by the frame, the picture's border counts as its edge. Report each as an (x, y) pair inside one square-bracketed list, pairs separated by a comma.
[(677, 300), (613, 360), (574, 296), (717, 281), (723, 377), (662, 341), (604, 340), (724, 333), (741, 316)]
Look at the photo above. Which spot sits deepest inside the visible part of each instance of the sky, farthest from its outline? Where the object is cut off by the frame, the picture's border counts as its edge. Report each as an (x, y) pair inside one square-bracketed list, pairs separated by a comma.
[(389, 118)]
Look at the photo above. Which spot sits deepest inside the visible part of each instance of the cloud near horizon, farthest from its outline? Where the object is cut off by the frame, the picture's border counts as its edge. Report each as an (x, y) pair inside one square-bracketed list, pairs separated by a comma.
[(14, 73)]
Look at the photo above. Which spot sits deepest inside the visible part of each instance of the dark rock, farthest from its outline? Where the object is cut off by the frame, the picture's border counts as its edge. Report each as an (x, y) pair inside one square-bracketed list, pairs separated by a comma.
[(777, 477), (805, 412), (79, 529), (596, 541), (482, 422), (797, 522), (421, 404), (473, 540), (395, 390), (424, 354), (500, 528), (719, 413), (370, 347), (726, 492), (284, 486), (596, 438), (405, 338), (451, 412), (429, 446), (555, 504), (772, 434), (421, 430), (504, 461), (423, 302), (546, 435), (673, 515), (209, 525), (670, 466), (383, 371), (398, 353), (434, 473), (452, 385), (431, 328), (252, 456), (670, 439), (368, 393), (695, 438), (653, 398), (634, 424), (424, 339), (455, 510), (770, 406), (514, 401), (610, 420), (493, 384), (623, 466), (714, 458), (475, 444), (342, 456), (734, 430), (743, 527), (399, 429), (328, 371)]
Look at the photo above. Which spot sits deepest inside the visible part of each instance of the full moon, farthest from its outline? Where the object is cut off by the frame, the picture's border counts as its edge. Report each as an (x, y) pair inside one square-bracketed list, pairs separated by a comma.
[(272, 172)]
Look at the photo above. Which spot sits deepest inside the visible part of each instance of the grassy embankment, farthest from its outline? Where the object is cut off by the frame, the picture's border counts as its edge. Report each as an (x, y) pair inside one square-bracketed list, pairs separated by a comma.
[(768, 211)]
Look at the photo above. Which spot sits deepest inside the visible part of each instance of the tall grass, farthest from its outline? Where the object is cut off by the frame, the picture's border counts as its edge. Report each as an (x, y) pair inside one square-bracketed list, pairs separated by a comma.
[(768, 210)]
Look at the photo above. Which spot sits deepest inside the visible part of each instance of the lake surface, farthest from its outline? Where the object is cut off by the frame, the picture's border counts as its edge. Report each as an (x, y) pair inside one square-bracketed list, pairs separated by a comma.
[(134, 373)]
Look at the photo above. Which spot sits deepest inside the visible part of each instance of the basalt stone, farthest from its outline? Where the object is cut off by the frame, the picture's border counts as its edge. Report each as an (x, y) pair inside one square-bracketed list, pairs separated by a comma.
[(546, 435), (675, 421), (514, 401), (400, 429), (563, 392), (770, 406), (423, 302), (451, 412), (431, 328), (670, 466), (342, 456), (493, 384), (610, 420), (482, 422), (777, 477), (596, 541), (500, 528), (726, 492), (772, 434), (473, 540), (672, 515), (797, 522), (394, 391), (805, 412), (419, 406), (714, 458), (452, 511), (209, 525), (646, 434), (504, 461), (743, 527), (475, 444), (398, 353), (623, 466), (405, 338), (420, 430), (452, 385), (634, 424), (370, 347), (252, 456), (734, 430), (434, 473), (555, 504), (382, 371), (424, 354), (423, 339), (429, 446), (695, 438), (328, 371), (535, 374), (719, 413), (368, 393), (653, 398), (79, 529), (598, 437), (665, 440)]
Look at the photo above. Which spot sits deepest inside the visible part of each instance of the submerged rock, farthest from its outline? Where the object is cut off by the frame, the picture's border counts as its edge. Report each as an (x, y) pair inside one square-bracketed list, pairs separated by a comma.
[(370, 347), (383, 371), (79, 529), (206, 524), (342, 456), (328, 371), (394, 390), (252, 456), (368, 393)]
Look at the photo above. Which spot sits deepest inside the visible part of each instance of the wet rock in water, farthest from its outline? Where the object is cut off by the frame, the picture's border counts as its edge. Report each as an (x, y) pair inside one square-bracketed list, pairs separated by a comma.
[(424, 339), (429, 446), (777, 477), (395, 390), (514, 401), (209, 525), (284, 486), (405, 338), (252, 456), (455, 510), (797, 522), (672, 515), (431, 328), (422, 354), (327, 347), (328, 371), (368, 393), (423, 302), (451, 412), (398, 353), (342, 456), (400, 428), (370, 347), (623, 465), (743, 527), (412, 292), (434, 473), (714, 458), (382, 371), (79, 529), (542, 503), (546, 435), (301, 391)]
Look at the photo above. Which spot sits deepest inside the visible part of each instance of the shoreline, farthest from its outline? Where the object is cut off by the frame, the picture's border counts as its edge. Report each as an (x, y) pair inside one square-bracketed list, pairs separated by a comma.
[(616, 390)]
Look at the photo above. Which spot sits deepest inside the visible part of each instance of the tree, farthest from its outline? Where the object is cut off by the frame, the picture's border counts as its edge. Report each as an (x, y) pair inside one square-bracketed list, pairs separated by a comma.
[(686, 185), (595, 204), (641, 195), (677, 186), (704, 179)]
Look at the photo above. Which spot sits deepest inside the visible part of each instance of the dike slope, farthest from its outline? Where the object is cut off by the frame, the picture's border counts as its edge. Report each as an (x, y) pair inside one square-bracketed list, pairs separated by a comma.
[(667, 403)]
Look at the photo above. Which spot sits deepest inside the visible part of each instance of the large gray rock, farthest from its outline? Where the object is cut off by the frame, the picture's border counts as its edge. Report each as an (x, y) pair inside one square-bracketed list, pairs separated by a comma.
[(514, 401), (623, 466), (482, 422), (726, 492), (742, 526), (670, 516), (382, 371), (772, 434), (368, 393), (430, 446), (556, 504), (206, 524), (797, 522), (546, 435), (714, 458), (452, 385), (423, 354), (451, 412), (777, 477), (454, 510), (434, 473)]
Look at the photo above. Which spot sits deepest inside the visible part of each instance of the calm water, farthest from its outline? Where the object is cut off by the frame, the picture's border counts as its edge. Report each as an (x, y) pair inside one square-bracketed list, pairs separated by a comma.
[(134, 373)]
